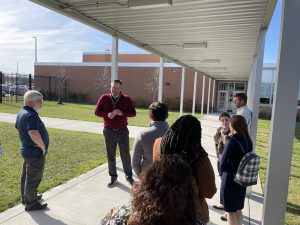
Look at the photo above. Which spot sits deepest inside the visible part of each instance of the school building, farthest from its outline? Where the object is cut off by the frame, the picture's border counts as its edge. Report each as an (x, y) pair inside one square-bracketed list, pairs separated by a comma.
[(139, 73)]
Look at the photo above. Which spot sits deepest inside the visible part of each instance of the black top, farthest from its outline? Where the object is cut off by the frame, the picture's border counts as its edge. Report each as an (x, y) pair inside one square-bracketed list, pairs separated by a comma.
[(234, 152)]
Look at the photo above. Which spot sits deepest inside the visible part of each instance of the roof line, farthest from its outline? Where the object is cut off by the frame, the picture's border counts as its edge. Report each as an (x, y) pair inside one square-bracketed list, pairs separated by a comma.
[(105, 64), (120, 53), (125, 64), (269, 13)]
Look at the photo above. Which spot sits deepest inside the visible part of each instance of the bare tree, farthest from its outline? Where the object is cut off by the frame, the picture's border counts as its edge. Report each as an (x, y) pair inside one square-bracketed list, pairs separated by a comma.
[(61, 81), (152, 84), (103, 79)]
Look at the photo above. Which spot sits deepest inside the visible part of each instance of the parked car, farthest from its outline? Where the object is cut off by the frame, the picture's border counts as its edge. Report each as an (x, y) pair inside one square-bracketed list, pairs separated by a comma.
[(5, 89), (18, 90)]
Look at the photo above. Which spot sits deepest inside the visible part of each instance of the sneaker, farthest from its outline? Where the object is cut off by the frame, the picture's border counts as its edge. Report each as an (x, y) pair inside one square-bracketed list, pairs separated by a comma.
[(219, 207), (39, 197), (224, 217), (37, 206), (130, 180), (113, 180)]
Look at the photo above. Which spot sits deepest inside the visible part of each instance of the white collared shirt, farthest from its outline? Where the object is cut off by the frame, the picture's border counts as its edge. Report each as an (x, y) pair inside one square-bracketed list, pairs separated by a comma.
[(246, 113)]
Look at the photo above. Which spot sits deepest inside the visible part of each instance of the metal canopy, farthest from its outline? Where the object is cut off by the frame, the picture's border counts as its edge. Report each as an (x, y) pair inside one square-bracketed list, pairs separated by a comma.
[(230, 28)]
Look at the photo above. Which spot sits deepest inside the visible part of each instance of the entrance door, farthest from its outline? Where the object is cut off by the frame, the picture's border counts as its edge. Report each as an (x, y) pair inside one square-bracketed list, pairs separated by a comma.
[(222, 101), (226, 91)]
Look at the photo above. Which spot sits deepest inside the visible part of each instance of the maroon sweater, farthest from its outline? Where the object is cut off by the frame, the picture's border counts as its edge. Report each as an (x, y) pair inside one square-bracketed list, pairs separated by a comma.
[(105, 106)]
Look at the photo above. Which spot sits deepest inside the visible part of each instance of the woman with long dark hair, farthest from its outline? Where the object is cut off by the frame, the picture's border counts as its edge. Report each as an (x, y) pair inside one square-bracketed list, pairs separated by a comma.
[(232, 194), (184, 139)]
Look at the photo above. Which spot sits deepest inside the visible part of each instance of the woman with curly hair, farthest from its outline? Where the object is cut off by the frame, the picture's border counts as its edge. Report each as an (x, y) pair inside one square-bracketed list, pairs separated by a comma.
[(165, 195), (184, 139)]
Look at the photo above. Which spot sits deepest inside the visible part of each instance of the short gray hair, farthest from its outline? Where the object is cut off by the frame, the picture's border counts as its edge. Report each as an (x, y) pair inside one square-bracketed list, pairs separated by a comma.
[(31, 96)]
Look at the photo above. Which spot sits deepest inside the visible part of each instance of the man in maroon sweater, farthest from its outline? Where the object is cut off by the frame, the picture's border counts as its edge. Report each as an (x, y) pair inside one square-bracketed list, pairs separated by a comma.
[(115, 108)]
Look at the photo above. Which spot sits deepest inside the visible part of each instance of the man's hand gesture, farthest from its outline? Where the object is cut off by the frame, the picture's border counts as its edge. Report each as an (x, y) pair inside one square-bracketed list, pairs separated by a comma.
[(111, 115), (118, 112)]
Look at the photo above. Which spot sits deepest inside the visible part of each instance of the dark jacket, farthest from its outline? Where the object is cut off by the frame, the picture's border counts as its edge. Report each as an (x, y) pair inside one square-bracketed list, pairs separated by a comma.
[(105, 105), (234, 152)]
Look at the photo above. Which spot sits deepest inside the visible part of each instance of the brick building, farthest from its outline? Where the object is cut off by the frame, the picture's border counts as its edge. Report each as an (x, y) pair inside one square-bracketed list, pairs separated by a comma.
[(139, 72)]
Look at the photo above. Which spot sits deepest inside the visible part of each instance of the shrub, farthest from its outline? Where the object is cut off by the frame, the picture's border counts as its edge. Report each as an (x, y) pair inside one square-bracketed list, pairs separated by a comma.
[(77, 97)]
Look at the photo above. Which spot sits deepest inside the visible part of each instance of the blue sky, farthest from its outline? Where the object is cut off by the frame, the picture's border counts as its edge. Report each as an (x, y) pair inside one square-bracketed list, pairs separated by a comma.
[(272, 37), (61, 39)]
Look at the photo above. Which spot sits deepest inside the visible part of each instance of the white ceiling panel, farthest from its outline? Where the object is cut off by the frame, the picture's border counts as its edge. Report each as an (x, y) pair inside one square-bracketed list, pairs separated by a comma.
[(229, 27)]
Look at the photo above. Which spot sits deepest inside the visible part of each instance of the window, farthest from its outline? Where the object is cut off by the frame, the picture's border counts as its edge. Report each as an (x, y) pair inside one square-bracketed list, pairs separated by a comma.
[(240, 87), (265, 91), (223, 86), (264, 101), (267, 76)]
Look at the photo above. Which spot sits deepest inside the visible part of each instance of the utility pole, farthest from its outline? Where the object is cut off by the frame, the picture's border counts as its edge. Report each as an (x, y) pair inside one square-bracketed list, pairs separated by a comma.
[(16, 88), (35, 49)]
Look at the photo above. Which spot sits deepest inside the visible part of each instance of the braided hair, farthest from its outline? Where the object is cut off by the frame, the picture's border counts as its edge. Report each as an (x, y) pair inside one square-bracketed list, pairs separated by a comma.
[(184, 138)]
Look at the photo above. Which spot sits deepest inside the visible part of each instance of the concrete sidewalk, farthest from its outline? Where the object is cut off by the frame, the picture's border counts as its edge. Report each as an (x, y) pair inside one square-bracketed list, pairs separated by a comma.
[(86, 199), (73, 125)]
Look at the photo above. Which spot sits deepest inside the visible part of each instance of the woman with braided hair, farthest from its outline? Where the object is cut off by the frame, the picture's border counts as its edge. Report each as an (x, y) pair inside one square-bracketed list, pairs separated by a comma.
[(184, 139)]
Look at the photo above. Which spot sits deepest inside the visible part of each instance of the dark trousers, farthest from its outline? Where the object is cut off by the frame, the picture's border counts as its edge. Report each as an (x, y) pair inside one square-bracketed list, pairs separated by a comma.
[(112, 139), (31, 177)]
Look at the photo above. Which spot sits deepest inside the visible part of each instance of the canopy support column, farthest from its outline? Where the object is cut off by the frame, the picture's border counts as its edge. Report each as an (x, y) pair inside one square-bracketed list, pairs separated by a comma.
[(203, 93), (114, 58), (213, 96), (284, 116), (195, 92), (161, 80), (208, 97), (256, 86), (182, 91)]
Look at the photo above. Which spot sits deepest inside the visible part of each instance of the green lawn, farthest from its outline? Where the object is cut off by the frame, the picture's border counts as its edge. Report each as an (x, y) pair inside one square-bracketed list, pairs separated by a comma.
[(293, 206), (70, 155), (82, 112)]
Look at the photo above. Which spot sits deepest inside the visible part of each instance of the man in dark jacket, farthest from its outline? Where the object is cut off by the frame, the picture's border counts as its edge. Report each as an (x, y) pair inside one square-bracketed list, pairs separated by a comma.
[(115, 108), (34, 144)]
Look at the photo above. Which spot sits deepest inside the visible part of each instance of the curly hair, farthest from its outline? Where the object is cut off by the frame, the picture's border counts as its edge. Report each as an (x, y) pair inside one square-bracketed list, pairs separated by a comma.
[(165, 194), (184, 138)]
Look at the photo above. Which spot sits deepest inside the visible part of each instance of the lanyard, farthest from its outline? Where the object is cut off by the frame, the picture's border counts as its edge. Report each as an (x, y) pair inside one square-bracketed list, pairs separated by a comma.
[(114, 102)]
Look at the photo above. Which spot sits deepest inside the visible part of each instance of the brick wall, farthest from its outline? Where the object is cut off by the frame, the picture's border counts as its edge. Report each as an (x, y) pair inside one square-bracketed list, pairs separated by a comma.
[(129, 58), (138, 83)]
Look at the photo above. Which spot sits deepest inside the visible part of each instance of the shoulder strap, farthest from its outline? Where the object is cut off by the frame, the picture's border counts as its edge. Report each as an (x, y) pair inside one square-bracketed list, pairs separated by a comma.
[(240, 144)]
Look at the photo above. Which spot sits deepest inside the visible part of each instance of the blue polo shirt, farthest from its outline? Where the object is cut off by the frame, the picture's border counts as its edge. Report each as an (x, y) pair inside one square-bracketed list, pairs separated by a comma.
[(28, 119)]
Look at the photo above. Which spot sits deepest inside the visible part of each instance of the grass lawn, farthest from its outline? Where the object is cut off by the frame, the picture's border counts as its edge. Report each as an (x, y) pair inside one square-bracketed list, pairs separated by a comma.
[(70, 155), (82, 112), (293, 205)]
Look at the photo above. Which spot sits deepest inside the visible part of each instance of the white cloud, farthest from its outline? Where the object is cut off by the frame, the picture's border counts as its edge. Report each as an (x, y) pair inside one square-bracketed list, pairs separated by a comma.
[(60, 39)]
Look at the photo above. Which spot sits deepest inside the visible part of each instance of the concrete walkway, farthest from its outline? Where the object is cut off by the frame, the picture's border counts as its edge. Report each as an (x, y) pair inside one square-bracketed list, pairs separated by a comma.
[(86, 199), (74, 125)]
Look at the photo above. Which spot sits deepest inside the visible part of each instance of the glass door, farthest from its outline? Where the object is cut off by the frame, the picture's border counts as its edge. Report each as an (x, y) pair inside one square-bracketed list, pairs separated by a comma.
[(222, 101), (226, 91)]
